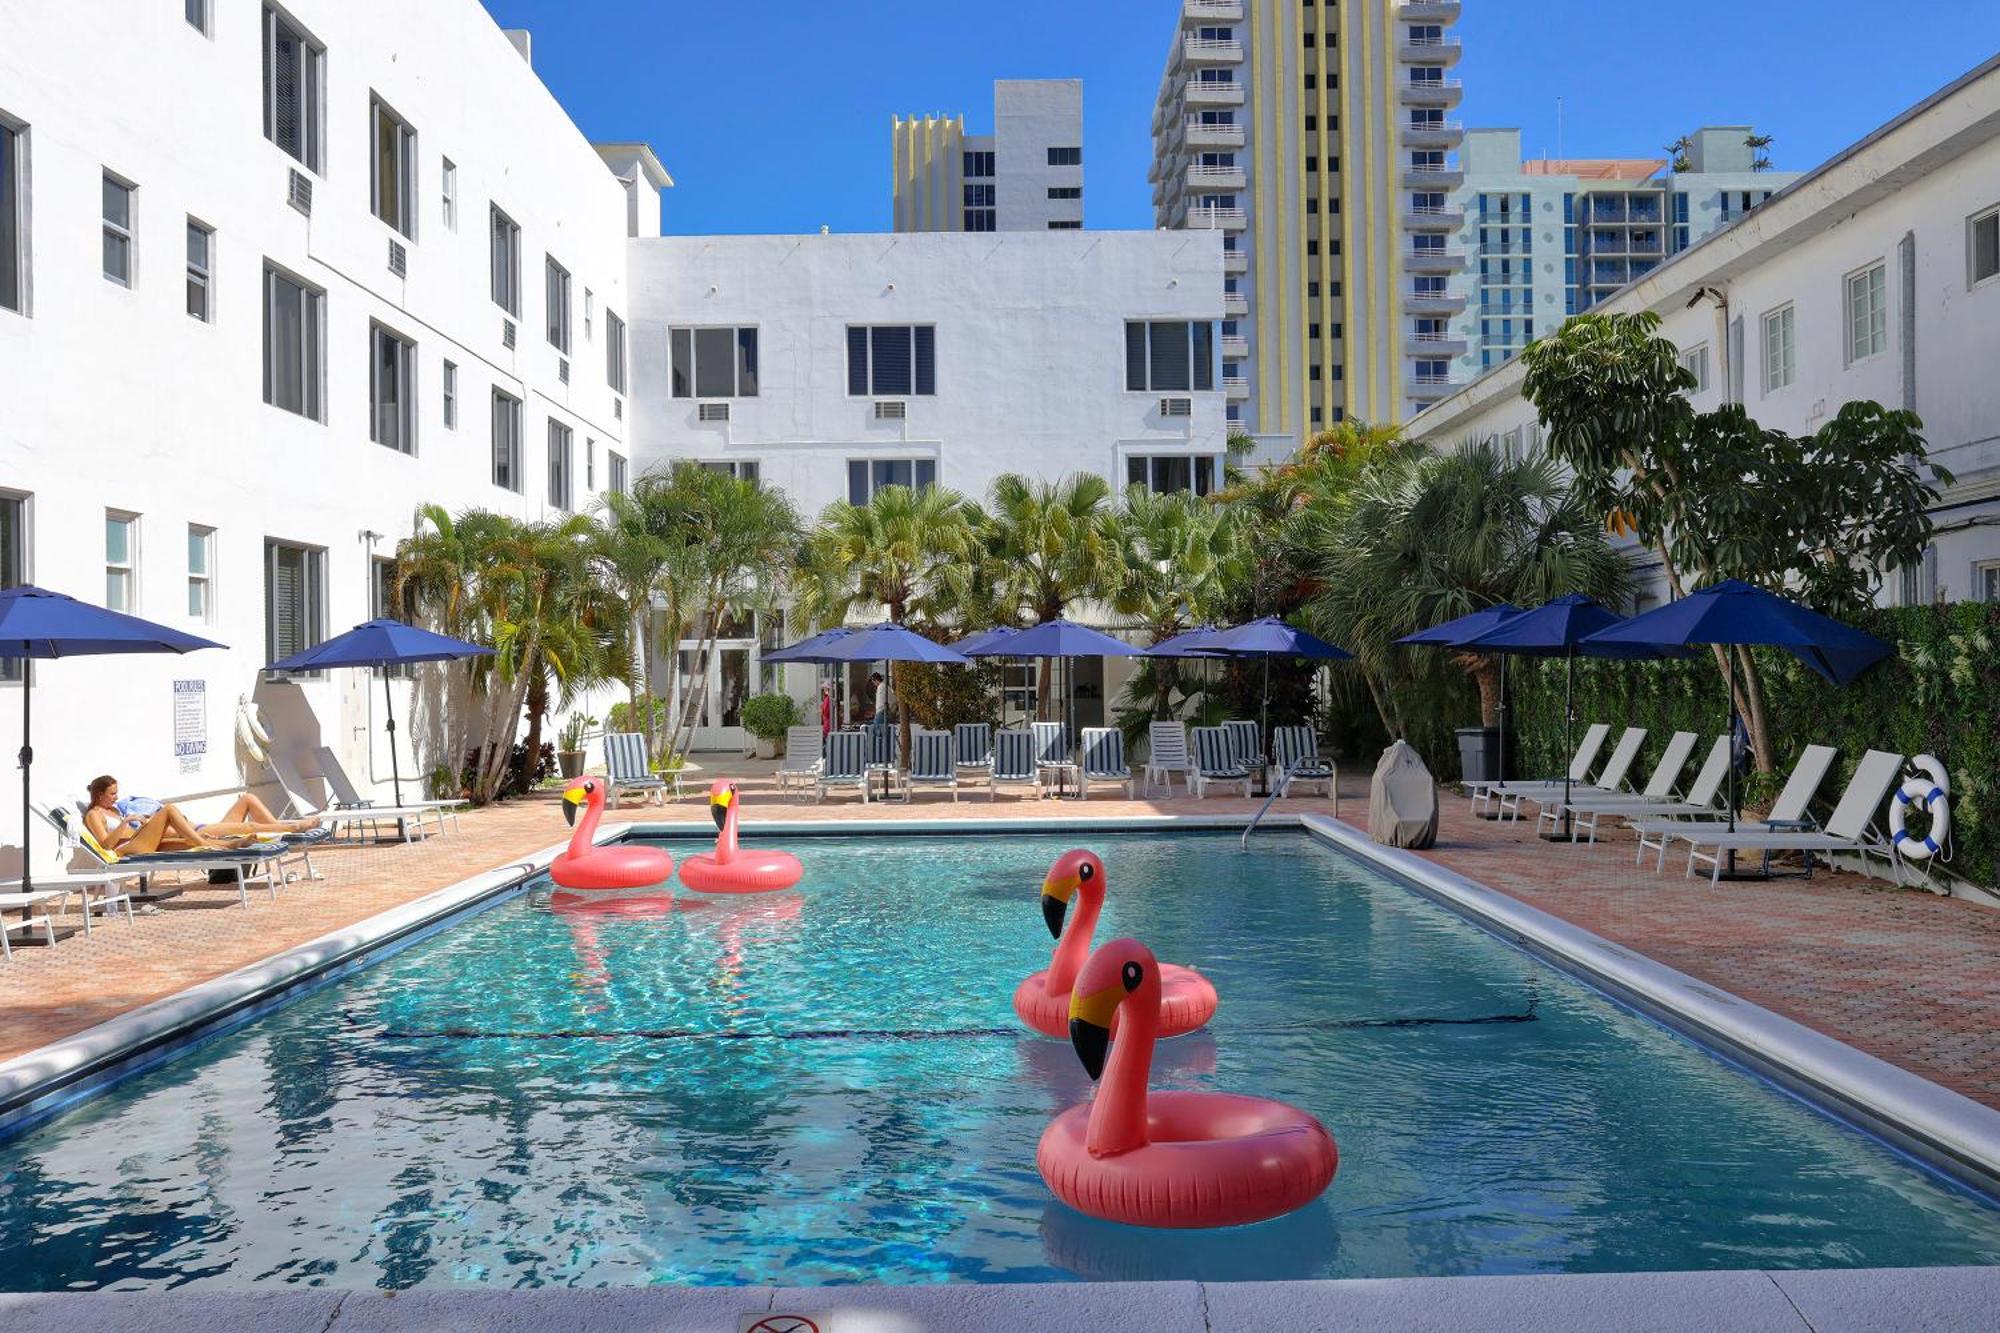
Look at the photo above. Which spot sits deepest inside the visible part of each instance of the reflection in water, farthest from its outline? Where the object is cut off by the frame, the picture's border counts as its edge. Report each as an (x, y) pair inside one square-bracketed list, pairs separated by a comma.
[(1181, 1062), (1298, 1245)]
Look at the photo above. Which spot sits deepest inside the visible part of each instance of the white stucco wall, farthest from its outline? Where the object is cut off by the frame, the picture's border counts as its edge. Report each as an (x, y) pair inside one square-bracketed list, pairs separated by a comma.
[(1031, 116), (117, 399)]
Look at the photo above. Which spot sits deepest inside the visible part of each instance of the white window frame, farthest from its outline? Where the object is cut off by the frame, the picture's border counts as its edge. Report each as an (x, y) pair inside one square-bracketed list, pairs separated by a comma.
[(311, 94), (1695, 361), (556, 292), (737, 376), (503, 242), (562, 466), (128, 568), (869, 387), (614, 351), (506, 441), (448, 192), (15, 224), (398, 431), (312, 616), (751, 469), (401, 211), (1199, 366), (1991, 216), (1784, 322), (451, 395), (1197, 463), (312, 348), (589, 314), (1985, 573), (1867, 330), (15, 550), (589, 465), (200, 16), (615, 480), (872, 461), (122, 232), (201, 275), (201, 581)]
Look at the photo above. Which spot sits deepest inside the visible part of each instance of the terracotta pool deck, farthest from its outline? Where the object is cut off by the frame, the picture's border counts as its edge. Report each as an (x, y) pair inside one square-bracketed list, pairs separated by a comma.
[(1901, 974)]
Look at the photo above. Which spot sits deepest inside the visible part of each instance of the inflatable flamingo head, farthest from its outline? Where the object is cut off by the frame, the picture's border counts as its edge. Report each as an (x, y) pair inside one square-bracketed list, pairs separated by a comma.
[(721, 798), (1073, 872), (578, 794), (1120, 969)]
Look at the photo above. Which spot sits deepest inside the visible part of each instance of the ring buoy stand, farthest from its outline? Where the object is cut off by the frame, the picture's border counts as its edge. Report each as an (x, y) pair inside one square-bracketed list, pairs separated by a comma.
[(251, 736), (1931, 792)]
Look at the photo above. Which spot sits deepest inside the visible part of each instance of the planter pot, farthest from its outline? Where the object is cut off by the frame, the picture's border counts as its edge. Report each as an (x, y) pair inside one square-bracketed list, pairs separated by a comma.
[(1479, 753), (570, 762), (766, 749)]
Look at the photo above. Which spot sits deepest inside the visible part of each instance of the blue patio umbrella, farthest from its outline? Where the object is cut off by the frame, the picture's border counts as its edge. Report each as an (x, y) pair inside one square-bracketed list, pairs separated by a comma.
[(973, 644), (892, 643), (1733, 613), (810, 649), (1267, 638), (1456, 633), (1563, 628), (1065, 640), (1196, 642), (382, 643), (36, 623)]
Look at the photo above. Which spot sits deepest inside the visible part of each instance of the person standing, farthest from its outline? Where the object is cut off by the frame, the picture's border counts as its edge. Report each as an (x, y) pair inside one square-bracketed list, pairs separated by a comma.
[(825, 708)]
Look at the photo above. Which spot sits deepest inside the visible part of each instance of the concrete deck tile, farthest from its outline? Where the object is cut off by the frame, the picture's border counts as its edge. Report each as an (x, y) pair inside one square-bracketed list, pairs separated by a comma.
[(1879, 1300), (286, 1310), (552, 1310), (1156, 1307)]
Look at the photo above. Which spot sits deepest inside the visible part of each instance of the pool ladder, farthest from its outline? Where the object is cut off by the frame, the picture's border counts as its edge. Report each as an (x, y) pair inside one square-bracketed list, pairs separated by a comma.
[(1278, 789)]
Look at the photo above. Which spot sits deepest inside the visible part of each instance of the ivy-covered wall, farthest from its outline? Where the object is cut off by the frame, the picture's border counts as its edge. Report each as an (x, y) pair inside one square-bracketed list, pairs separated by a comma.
[(1939, 695)]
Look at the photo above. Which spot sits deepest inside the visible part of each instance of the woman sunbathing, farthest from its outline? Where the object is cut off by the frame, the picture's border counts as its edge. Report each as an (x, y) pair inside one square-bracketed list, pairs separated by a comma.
[(169, 830)]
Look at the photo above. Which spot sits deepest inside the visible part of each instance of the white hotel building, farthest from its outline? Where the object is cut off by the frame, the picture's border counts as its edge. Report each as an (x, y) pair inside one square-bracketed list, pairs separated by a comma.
[(1875, 276), (273, 276)]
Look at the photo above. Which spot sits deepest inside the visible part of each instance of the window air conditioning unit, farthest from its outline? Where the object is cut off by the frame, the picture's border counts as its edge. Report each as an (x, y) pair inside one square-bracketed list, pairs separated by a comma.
[(1177, 407), (506, 333), (712, 412), (399, 259), (562, 369), (891, 411), (299, 193)]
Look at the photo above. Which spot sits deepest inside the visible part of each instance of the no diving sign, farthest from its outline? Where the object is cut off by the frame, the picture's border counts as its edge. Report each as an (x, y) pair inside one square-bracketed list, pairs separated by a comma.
[(818, 1322)]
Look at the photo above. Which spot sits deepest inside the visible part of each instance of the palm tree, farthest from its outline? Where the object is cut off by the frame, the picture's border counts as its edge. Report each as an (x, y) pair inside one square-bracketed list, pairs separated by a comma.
[(1179, 556), (1428, 537), (908, 551), (1052, 544)]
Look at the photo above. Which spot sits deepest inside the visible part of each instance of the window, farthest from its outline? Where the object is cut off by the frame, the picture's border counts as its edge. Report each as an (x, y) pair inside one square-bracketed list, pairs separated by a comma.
[(891, 360), (121, 561), (980, 219), (589, 310), (1780, 351), (383, 603), (201, 263), (1065, 192), (561, 442), (506, 441), (448, 186), (740, 469), (558, 305), (294, 361), (614, 465), (1066, 157), (589, 465), (1867, 313), (506, 263), (614, 352), (1060, 225), (13, 561), (451, 395), (1165, 474), (201, 566), (1695, 362), (714, 363), (1985, 578), (979, 164), (392, 390), (393, 189), (979, 196), (294, 598), (293, 72), (197, 16), (865, 476), (117, 230), (1982, 246), (1164, 356), (13, 221)]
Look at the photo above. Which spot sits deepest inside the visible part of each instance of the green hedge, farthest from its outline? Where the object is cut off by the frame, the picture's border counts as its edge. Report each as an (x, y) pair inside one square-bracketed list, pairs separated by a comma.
[(1939, 695)]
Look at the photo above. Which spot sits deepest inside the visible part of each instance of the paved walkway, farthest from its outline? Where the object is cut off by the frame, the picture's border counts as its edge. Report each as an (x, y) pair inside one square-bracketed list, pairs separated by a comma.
[(1902, 974)]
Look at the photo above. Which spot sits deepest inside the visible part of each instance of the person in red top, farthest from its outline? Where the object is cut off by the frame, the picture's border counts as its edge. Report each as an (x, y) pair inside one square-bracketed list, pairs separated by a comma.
[(825, 707)]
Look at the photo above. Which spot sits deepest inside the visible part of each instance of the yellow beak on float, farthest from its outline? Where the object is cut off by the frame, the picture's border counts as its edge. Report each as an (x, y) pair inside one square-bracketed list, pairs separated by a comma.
[(573, 798), (719, 803), (1056, 894)]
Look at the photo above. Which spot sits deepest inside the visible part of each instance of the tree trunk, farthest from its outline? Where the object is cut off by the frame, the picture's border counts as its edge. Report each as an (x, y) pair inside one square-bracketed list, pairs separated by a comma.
[(1044, 683), (1484, 668), (1390, 724), (538, 707), (1750, 700)]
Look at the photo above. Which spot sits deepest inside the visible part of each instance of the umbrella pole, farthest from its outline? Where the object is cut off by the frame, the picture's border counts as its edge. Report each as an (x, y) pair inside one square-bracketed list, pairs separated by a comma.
[(389, 709), (27, 769), (1263, 730), (1500, 759), (1569, 709)]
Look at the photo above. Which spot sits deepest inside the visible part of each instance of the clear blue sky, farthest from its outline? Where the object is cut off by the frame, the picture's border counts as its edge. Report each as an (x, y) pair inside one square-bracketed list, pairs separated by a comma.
[(773, 115)]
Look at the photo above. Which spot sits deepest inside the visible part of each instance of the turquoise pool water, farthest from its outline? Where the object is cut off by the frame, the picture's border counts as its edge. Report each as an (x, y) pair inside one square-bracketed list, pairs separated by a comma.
[(830, 1087)]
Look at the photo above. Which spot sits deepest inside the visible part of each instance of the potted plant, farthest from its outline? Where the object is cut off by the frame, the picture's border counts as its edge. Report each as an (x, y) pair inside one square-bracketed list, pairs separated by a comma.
[(766, 716), (569, 754)]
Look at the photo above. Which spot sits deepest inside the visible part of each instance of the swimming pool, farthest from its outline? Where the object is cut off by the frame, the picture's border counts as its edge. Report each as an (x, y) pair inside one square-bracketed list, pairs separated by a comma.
[(830, 1086)]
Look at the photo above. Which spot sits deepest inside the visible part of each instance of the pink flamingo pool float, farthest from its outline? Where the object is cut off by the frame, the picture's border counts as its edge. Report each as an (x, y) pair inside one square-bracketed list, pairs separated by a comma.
[(587, 866), (730, 868), (1169, 1159), (1187, 1000)]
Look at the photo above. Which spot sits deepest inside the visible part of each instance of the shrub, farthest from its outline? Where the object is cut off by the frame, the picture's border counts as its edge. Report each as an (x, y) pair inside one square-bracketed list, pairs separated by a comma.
[(766, 716)]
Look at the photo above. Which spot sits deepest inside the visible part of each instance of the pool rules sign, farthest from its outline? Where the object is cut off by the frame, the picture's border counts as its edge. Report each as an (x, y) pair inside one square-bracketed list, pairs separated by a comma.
[(190, 724)]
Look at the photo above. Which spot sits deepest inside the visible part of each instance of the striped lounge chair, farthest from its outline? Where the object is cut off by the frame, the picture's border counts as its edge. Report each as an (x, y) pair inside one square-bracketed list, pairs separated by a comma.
[(1103, 761), (1215, 762)]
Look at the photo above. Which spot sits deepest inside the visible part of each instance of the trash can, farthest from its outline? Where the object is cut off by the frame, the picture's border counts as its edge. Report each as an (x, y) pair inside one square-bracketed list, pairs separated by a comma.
[(1479, 754)]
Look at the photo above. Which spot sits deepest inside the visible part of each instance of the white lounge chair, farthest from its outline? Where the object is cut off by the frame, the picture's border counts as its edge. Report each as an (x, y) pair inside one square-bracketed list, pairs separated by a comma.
[(1103, 761), (974, 743), (1789, 808), (299, 806), (348, 797), (1216, 764), (36, 911), (1297, 760), (1013, 763), (931, 764), (804, 752), (1610, 781), (258, 863), (1166, 755), (54, 886), (846, 764), (628, 769), (1698, 802), (1847, 830), (1484, 794), (1658, 788)]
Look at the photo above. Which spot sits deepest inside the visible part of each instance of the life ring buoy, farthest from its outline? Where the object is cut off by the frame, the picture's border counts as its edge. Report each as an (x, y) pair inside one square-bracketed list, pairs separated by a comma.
[(251, 736), (1932, 792)]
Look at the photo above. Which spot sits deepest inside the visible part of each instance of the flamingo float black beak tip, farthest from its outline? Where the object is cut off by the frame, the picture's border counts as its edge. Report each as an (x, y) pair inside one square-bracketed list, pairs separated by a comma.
[(569, 813), (1090, 1041), (1054, 911), (718, 808)]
